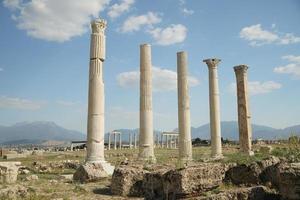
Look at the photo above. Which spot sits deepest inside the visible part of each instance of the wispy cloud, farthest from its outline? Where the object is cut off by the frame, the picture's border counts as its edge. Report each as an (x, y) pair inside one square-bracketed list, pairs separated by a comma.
[(162, 79), (54, 20), (19, 103), (175, 33), (184, 9), (118, 9), (293, 68), (66, 103), (257, 36), (1, 69), (257, 87), (135, 23)]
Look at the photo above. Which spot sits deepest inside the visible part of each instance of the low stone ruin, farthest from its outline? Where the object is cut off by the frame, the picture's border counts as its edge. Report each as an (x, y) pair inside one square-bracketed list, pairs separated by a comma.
[(266, 179)]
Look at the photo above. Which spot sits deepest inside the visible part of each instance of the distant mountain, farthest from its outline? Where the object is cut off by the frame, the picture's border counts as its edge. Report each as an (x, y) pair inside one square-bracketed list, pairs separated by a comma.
[(229, 130), (49, 132), (37, 132)]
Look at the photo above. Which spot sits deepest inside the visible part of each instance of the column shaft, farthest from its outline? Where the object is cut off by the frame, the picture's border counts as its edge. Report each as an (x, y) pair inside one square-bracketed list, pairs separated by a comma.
[(244, 117), (214, 105), (184, 124), (146, 150)]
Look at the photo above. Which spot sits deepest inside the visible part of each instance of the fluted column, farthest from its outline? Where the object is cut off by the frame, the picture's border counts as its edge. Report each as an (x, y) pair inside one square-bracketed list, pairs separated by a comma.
[(244, 117), (95, 125), (146, 150), (214, 105), (184, 123)]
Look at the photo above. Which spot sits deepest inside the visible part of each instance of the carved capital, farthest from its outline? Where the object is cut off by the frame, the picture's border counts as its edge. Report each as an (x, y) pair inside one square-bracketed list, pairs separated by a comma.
[(240, 68), (212, 62), (98, 26)]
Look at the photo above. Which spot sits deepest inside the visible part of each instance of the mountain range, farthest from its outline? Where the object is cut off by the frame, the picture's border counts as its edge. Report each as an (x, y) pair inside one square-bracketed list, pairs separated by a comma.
[(41, 131)]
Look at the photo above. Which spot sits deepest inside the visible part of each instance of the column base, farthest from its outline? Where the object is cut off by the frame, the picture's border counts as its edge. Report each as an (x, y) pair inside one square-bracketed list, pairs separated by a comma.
[(184, 162), (248, 153), (151, 159), (217, 156), (93, 171)]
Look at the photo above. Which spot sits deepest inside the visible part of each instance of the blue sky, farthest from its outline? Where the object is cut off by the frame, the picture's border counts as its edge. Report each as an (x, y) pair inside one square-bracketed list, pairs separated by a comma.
[(44, 57)]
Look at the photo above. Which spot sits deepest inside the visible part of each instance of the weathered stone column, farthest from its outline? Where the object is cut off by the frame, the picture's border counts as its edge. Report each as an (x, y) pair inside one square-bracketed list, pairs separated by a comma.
[(109, 140), (120, 140), (95, 124), (115, 140), (184, 124), (135, 140), (167, 141), (146, 150), (130, 141), (214, 104), (244, 117), (161, 140)]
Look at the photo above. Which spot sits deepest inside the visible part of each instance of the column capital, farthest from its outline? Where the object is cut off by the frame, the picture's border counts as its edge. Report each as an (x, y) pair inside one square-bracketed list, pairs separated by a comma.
[(98, 25), (212, 62), (240, 68)]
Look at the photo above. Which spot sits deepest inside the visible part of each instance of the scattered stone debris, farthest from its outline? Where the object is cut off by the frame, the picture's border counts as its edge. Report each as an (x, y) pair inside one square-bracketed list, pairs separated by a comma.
[(13, 192), (248, 193), (32, 177)]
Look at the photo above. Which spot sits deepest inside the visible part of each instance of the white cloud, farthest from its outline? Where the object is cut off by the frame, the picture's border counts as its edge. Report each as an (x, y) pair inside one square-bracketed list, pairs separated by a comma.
[(258, 36), (257, 87), (20, 104), (118, 9), (292, 68), (135, 23), (162, 79), (12, 4), (55, 20), (186, 11), (175, 33)]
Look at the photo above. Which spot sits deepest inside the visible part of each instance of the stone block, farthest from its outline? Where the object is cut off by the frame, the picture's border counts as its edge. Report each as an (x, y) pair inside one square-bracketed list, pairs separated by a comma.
[(127, 180), (193, 179)]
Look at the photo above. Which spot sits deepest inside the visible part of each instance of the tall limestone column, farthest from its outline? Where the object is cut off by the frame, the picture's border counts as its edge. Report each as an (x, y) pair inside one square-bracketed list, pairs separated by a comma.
[(214, 104), (95, 124), (244, 118), (184, 122), (146, 150)]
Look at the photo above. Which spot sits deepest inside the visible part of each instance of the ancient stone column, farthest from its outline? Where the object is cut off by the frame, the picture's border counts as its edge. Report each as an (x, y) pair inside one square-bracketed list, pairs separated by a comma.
[(167, 141), (120, 140), (184, 124), (161, 140), (244, 117), (109, 140), (135, 140), (130, 141), (95, 132), (214, 104), (95, 122), (146, 150), (115, 141)]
